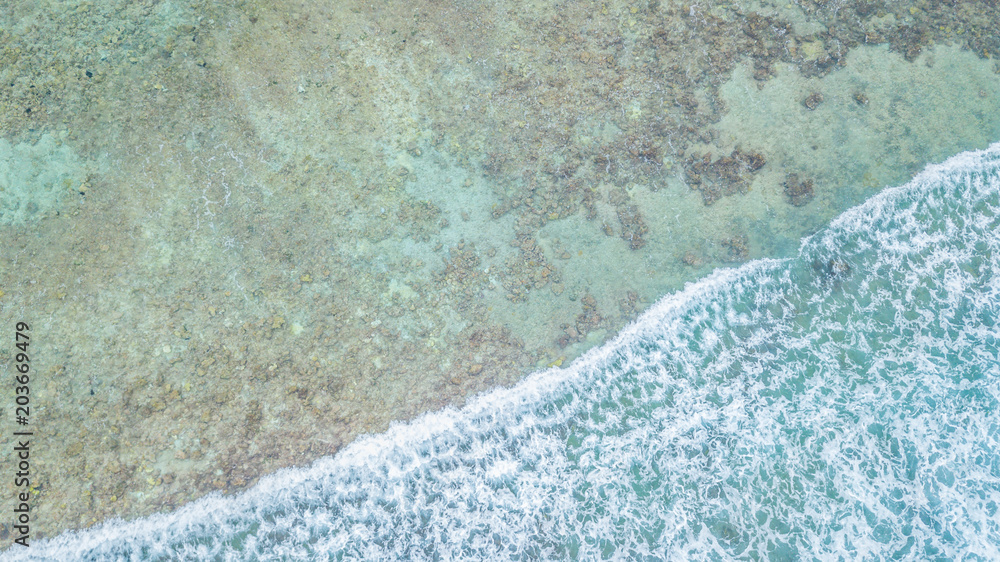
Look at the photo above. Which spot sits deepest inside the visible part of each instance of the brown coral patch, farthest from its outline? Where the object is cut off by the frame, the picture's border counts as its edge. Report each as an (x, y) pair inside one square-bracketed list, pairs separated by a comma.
[(798, 192), (726, 176)]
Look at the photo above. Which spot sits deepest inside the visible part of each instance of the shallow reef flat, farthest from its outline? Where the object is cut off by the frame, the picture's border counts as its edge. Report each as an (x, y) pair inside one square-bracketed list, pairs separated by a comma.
[(245, 234)]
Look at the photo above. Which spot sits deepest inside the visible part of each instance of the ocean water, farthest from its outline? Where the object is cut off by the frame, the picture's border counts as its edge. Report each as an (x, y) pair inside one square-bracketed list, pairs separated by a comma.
[(247, 233), (838, 404)]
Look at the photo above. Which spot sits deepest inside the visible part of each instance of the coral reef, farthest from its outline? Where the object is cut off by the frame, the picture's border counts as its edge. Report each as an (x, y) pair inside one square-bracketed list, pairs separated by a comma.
[(737, 248), (798, 192), (813, 101), (727, 175)]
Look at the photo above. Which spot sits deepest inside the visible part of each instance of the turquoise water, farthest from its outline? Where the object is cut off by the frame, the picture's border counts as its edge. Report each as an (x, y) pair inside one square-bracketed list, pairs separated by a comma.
[(840, 404)]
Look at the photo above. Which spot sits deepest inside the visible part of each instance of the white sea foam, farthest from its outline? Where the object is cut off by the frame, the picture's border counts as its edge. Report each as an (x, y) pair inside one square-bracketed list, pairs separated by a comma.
[(841, 403)]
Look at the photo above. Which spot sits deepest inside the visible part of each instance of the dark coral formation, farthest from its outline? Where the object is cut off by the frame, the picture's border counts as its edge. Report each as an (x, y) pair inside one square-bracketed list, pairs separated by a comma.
[(737, 248), (587, 321), (528, 270), (798, 192), (726, 176), (421, 218), (629, 306), (813, 101), (692, 259), (633, 227), (462, 274)]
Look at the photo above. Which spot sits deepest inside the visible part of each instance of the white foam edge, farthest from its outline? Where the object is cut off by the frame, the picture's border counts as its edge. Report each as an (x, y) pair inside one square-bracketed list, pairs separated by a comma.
[(862, 216)]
